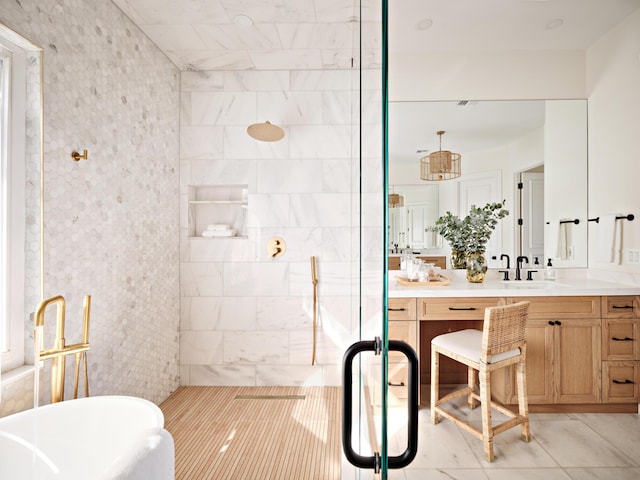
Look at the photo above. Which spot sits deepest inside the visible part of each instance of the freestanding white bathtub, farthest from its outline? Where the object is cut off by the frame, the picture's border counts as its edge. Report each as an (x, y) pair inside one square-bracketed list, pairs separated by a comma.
[(94, 438)]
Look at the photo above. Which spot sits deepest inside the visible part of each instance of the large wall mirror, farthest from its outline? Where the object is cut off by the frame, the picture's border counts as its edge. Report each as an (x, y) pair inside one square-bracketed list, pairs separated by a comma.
[(532, 153)]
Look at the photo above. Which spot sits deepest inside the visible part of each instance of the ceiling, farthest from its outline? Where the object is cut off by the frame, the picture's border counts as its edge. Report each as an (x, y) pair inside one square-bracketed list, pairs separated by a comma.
[(319, 34)]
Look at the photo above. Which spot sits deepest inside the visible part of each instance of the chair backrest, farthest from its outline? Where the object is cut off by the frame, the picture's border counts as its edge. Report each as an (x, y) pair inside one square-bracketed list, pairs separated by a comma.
[(504, 328)]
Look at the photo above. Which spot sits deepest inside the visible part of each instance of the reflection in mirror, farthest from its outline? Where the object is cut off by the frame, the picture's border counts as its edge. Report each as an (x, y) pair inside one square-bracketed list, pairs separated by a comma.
[(505, 143), (21, 192), (412, 217)]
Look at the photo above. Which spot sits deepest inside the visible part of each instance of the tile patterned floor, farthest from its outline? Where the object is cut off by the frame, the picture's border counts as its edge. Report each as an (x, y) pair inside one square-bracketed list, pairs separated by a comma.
[(564, 447)]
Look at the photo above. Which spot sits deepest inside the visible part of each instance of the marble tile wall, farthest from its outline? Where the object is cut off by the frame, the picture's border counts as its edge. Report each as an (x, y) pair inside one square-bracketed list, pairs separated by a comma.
[(111, 222), (246, 318)]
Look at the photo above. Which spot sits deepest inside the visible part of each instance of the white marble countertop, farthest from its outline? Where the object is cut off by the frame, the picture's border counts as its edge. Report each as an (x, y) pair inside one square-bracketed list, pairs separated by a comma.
[(569, 284)]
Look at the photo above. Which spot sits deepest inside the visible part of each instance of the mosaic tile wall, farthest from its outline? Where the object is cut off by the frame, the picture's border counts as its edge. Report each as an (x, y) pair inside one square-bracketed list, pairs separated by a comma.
[(111, 222), (246, 318)]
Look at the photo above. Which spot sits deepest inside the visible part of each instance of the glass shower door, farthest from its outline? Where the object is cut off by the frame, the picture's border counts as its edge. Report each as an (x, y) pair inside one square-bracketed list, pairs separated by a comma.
[(365, 363)]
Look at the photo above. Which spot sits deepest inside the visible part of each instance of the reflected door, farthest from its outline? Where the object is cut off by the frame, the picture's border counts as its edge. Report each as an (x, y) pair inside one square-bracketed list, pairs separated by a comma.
[(531, 223)]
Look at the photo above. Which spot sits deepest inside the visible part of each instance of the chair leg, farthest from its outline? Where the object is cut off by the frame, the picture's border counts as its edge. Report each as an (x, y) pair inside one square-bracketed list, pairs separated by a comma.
[(472, 379), (485, 405), (435, 383), (523, 406)]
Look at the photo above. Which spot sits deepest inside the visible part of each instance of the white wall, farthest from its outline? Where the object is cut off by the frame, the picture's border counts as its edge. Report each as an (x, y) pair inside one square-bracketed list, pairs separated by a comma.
[(111, 222), (613, 79), (246, 317), (486, 75)]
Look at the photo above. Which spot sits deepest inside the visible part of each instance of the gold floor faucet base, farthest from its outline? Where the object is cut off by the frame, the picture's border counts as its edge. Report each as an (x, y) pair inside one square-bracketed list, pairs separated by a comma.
[(60, 351)]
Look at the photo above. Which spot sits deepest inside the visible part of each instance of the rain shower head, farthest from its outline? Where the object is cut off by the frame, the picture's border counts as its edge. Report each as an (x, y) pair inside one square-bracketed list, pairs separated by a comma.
[(265, 132)]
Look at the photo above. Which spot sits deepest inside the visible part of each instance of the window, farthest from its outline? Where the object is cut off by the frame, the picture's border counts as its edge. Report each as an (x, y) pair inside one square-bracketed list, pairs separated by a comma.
[(12, 202)]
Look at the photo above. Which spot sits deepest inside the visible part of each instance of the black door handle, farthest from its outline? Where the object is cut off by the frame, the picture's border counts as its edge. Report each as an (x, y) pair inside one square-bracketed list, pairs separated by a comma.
[(360, 461), (373, 462), (461, 308)]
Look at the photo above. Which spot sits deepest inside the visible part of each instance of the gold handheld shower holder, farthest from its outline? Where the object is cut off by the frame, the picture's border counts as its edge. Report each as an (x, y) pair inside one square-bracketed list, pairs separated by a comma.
[(59, 351), (314, 281)]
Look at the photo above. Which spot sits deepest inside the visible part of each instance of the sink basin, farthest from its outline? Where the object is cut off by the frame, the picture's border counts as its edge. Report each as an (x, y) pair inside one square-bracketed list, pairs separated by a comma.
[(532, 284)]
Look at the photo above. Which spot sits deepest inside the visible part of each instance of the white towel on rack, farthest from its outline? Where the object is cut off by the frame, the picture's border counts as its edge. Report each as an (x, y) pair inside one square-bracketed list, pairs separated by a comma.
[(609, 239), (551, 243), (557, 241), (563, 239)]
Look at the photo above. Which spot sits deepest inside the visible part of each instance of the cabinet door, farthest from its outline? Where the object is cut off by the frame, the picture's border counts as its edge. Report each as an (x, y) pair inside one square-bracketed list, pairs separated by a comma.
[(577, 368), (539, 364)]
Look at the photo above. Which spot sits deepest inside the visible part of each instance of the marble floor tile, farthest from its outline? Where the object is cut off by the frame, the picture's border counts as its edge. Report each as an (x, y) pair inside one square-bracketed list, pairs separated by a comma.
[(443, 474), (622, 430), (603, 473), (528, 474), (572, 443), (563, 447)]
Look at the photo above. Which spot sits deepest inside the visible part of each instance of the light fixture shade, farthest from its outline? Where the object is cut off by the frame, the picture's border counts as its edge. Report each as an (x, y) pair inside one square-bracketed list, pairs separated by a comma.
[(396, 200), (440, 165), (265, 132)]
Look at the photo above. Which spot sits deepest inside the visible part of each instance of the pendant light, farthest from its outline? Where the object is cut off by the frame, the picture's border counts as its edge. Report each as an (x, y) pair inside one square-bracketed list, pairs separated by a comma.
[(440, 165), (265, 132), (395, 200)]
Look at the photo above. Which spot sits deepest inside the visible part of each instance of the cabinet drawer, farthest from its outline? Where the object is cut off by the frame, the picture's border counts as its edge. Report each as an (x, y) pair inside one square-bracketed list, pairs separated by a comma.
[(621, 307), (398, 390), (561, 307), (394, 263), (620, 382), (402, 309), (620, 339), (404, 331), (454, 308)]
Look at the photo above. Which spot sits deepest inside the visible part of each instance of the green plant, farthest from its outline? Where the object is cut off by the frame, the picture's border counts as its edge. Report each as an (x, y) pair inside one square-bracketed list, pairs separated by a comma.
[(454, 231), (471, 233)]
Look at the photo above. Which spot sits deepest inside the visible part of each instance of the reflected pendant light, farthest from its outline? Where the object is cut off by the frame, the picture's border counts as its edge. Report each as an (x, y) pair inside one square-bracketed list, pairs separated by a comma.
[(265, 132), (440, 165), (396, 200)]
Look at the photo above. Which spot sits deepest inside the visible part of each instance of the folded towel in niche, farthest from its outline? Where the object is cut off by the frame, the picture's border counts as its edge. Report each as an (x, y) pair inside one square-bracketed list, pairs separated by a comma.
[(218, 233), (218, 226), (609, 239)]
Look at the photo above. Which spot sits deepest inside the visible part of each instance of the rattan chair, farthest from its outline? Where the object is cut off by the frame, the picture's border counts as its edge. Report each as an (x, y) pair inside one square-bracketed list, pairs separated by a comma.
[(501, 343)]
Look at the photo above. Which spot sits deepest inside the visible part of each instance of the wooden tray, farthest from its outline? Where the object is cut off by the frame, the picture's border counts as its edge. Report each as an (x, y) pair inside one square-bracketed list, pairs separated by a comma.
[(439, 283)]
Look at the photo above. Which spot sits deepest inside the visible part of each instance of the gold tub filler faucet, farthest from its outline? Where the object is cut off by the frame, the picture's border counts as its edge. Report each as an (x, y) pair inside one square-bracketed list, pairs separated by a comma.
[(59, 351)]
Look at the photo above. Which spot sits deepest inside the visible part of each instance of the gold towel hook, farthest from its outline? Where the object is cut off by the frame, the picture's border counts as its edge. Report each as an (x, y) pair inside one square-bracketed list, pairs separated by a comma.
[(77, 157)]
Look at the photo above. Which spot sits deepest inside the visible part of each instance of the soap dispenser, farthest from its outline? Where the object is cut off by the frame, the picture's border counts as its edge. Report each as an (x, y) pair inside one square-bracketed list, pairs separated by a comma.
[(549, 273)]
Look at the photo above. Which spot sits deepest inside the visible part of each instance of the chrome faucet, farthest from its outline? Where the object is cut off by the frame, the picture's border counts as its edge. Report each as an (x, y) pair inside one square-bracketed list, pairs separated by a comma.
[(519, 261)]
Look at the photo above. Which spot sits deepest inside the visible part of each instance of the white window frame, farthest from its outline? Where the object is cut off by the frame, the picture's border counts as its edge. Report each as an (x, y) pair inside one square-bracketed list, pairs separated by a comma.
[(12, 209)]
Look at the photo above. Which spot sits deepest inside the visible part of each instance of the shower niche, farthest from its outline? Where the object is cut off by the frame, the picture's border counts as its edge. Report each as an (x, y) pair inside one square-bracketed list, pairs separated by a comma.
[(217, 211)]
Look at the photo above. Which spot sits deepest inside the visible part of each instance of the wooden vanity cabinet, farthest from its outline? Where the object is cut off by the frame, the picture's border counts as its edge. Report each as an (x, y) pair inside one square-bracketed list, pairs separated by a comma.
[(402, 326), (438, 261), (563, 353), (444, 315), (620, 350)]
